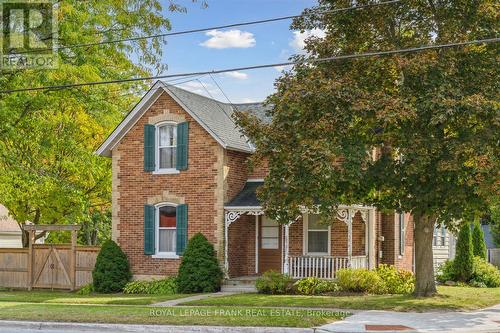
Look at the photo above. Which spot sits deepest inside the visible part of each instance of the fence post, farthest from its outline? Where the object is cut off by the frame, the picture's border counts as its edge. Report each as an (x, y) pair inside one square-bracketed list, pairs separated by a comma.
[(31, 259), (72, 265)]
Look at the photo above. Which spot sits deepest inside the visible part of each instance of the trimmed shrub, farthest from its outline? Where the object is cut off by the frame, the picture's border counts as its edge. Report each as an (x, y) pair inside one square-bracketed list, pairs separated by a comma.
[(360, 280), (112, 271), (275, 283), (485, 273), (396, 281), (478, 243), (464, 255), (167, 286), (446, 271), (315, 286), (199, 270)]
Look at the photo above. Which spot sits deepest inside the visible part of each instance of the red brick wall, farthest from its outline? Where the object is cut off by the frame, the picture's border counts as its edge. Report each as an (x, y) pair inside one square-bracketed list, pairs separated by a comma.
[(390, 245), (242, 246), (406, 260), (259, 171), (236, 169), (196, 186)]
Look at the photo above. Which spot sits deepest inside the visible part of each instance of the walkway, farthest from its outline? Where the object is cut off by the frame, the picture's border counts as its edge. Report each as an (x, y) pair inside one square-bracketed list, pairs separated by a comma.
[(486, 320), (178, 301)]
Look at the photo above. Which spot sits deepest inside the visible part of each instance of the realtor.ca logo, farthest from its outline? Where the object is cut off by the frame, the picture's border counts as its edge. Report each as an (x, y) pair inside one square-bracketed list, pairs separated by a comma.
[(28, 34)]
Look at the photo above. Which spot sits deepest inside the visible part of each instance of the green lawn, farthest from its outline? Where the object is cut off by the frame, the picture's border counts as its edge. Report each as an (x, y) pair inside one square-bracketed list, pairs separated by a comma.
[(449, 298), (227, 316), (73, 298)]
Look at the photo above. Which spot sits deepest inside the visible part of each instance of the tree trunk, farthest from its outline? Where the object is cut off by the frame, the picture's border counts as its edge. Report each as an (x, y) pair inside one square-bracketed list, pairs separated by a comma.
[(425, 284)]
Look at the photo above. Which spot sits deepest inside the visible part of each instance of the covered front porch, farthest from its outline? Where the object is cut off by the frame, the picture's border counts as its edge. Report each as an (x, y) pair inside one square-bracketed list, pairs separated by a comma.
[(302, 248)]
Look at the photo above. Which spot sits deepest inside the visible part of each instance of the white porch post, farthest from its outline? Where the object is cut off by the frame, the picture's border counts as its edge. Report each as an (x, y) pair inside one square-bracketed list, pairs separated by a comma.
[(286, 246), (349, 235), (229, 218), (371, 239)]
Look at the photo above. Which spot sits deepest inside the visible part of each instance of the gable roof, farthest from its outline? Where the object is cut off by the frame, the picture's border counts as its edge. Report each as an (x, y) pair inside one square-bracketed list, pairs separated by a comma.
[(214, 116)]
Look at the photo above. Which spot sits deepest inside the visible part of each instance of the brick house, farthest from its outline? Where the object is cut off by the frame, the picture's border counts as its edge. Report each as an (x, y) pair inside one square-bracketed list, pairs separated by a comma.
[(179, 167)]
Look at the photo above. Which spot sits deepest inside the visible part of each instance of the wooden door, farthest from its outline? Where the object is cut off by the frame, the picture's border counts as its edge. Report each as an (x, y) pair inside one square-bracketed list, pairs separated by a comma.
[(269, 245), (51, 267)]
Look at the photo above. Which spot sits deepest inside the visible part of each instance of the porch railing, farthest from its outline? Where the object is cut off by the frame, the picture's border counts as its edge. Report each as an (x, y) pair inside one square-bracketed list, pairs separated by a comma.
[(322, 267)]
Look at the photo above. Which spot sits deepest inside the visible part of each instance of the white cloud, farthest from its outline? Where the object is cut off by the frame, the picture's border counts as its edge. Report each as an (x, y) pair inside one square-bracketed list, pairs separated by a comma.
[(229, 39), (247, 100), (198, 88), (298, 41), (237, 75)]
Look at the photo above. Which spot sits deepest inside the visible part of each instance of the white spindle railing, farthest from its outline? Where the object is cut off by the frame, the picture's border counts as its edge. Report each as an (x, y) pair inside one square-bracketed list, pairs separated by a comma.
[(322, 267)]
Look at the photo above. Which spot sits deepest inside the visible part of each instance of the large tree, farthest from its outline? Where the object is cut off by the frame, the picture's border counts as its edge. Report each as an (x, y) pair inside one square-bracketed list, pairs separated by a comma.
[(432, 116), (48, 170)]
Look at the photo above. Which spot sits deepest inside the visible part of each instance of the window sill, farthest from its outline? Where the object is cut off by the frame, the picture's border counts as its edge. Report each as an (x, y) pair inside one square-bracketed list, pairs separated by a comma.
[(166, 172), (165, 256), (317, 254)]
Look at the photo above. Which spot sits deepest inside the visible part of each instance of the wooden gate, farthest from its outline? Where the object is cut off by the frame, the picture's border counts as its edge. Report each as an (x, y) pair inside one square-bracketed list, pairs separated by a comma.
[(51, 267)]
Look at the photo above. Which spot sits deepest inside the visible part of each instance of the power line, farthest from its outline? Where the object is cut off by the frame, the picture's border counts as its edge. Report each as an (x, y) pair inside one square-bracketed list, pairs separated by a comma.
[(183, 32), (222, 91), (288, 63)]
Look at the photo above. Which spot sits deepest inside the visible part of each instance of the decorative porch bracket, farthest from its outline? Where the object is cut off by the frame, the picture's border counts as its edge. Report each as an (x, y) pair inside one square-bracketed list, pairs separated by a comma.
[(346, 215), (230, 217)]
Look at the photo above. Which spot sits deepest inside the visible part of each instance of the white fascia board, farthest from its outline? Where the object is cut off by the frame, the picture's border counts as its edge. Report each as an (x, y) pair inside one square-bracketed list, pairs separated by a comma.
[(130, 120)]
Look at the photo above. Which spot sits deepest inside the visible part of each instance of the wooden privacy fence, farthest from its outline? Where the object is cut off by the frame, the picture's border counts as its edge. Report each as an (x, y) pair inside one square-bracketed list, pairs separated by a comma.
[(494, 256), (48, 266), (51, 266)]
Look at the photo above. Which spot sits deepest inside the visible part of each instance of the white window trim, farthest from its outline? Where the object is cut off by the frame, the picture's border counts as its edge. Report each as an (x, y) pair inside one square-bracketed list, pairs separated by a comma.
[(305, 237), (158, 170), (162, 255)]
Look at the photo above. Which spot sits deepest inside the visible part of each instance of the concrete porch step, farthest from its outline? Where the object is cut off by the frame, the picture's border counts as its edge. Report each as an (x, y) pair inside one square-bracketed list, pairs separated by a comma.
[(240, 284)]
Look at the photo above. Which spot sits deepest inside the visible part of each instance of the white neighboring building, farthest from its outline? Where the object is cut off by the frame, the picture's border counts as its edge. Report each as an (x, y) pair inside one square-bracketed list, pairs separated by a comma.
[(10, 232), (443, 246)]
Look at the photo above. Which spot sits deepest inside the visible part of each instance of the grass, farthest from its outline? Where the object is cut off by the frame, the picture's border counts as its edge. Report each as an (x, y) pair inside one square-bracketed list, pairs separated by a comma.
[(449, 298), (227, 316), (73, 298)]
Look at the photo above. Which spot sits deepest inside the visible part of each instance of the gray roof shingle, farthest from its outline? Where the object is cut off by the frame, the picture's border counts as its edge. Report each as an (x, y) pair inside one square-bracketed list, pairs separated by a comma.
[(247, 196), (215, 116)]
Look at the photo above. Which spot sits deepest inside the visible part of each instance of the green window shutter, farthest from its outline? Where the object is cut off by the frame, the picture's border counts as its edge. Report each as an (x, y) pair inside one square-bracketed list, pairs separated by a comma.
[(182, 146), (149, 147), (149, 229), (182, 227)]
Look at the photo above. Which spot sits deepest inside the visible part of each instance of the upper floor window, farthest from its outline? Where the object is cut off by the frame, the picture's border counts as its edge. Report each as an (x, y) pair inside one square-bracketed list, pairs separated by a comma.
[(439, 236), (166, 146)]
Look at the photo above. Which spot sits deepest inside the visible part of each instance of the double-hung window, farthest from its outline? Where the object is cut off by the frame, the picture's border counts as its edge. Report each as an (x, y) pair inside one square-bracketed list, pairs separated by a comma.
[(166, 230), (317, 236), (166, 146), (439, 236)]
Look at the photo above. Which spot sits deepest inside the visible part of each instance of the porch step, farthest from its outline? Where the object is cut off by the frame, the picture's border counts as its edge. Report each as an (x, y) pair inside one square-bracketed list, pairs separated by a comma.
[(245, 284)]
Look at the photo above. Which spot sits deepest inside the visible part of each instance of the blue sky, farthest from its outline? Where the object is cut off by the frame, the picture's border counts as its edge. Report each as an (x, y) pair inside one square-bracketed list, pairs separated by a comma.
[(240, 46)]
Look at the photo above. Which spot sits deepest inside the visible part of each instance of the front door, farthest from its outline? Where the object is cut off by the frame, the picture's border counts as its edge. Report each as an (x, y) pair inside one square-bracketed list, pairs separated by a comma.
[(269, 245)]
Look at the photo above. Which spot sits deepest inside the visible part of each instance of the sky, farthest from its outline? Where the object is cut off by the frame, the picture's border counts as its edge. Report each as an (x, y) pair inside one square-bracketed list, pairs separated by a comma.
[(240, 46)]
